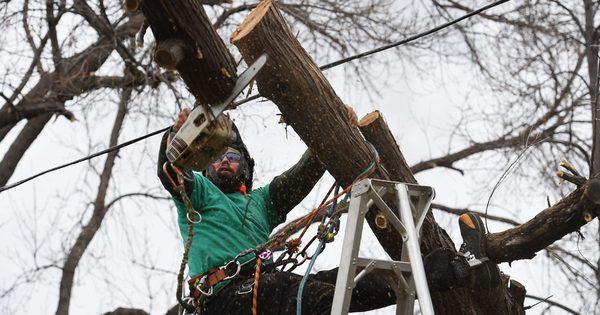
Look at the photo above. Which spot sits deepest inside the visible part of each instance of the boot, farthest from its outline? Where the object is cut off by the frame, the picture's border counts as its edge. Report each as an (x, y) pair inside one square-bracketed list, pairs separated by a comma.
[(472, 230)]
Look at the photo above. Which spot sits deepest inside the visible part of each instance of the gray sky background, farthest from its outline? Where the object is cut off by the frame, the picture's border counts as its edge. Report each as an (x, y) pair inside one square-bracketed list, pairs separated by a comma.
[(139, 233)]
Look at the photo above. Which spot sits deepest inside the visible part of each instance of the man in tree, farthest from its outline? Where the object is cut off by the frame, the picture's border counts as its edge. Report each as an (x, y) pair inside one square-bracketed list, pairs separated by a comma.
[(236, 217)]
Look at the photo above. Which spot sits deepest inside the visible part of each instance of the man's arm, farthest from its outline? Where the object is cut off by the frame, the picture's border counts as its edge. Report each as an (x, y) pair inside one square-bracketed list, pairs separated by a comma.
[(289, 188)]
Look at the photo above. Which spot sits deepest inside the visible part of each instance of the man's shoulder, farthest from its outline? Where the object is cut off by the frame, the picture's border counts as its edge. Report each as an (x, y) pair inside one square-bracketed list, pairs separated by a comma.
[(261, 191)]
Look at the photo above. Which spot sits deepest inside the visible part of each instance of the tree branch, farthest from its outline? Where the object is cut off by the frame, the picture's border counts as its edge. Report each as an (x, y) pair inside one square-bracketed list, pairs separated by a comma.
[(99, 211)]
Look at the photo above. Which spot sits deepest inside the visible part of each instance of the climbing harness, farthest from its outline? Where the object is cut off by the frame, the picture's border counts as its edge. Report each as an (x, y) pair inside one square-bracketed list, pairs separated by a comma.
[(203, 286)]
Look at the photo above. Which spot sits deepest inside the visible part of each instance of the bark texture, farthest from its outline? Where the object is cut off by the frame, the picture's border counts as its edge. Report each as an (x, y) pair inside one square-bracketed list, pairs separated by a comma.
[(207, 68)]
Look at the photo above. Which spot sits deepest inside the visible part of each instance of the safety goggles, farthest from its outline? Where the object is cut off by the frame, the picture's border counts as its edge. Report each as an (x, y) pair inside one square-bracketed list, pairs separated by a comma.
[(232, 157)]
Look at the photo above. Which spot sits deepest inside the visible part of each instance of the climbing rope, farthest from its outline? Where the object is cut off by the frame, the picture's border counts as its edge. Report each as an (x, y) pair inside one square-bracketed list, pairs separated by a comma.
[(179, 187), (255, 288)]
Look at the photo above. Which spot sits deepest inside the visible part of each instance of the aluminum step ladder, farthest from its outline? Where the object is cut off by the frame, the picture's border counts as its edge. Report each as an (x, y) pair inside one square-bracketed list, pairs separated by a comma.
[(412, 202)]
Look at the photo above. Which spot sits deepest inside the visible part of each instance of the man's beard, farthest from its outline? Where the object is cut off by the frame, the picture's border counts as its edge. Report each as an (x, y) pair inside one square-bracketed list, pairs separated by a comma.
[(226, 183)]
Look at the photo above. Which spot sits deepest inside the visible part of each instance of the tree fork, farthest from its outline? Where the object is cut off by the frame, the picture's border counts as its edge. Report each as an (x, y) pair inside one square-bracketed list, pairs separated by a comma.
[(470, 300), (206, 67)]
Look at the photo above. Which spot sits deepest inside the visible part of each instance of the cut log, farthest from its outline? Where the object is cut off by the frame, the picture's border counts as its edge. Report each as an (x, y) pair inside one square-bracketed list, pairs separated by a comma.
[(307, 101), (207, 67), (293, 81), (169, 53), (376, 131)]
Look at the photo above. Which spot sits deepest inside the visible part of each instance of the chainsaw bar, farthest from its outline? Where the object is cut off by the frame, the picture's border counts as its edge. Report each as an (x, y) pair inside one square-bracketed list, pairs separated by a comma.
[(205, 132)]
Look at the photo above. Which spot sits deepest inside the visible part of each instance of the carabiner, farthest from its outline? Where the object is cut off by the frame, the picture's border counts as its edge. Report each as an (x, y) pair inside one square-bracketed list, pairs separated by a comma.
[(201, 283), (237, 271)]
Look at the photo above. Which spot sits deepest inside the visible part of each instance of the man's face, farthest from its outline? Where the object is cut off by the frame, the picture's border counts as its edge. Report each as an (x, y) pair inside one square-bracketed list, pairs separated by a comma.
[(227, 164)]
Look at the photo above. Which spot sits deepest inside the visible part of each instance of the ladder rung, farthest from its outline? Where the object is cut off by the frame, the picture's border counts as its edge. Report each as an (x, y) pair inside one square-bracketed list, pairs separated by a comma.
[(385, 264)]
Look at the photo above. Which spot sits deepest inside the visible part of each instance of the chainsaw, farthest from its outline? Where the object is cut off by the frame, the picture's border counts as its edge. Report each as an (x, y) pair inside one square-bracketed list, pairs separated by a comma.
[(204, 135)]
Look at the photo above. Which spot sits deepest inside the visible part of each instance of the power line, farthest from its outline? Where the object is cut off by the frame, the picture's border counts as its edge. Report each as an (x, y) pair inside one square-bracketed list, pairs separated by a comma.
[(392, 45), (117, 147), (254, 97)]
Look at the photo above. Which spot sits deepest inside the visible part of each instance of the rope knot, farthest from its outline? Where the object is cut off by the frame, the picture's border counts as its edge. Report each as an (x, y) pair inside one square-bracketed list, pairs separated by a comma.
[(293, 244)]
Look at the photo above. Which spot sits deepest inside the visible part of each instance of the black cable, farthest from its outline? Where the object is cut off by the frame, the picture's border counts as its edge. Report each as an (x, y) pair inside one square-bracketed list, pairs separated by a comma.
[(392, 45), (124, 144), (414, 37), (235, 104)]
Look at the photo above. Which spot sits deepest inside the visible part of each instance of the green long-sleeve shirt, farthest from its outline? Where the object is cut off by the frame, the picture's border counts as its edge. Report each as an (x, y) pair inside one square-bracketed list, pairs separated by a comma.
[(233, 222)]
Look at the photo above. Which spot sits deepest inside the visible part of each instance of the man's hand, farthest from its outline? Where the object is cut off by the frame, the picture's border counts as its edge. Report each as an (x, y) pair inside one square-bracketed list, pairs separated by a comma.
[(183, 116), (352, 116)]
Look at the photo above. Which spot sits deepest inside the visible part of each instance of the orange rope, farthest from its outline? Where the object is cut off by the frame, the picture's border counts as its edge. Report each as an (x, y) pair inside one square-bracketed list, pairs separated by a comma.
[(310, 217), (255, 288)]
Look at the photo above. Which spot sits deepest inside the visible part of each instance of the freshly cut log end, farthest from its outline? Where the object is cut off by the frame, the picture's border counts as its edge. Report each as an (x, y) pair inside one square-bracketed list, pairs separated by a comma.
[(131, 5), (369, 118), (291, 79), (251, 20), (169, 53), (381, 221)]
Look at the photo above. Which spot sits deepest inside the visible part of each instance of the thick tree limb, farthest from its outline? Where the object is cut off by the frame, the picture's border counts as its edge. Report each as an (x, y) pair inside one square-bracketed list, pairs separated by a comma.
[(16, 150), (550, 225), (291, 79), (207, 68), (375, 130)]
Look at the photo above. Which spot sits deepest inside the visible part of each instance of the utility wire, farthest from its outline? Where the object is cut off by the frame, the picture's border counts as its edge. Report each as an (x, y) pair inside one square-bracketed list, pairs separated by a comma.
[(251, 98), (392, 45), (117, 147)]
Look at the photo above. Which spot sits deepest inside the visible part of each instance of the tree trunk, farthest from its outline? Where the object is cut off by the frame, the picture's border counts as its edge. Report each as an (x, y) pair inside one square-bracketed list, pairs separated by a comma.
[(207, 67), (291, 78), (16, 150)]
